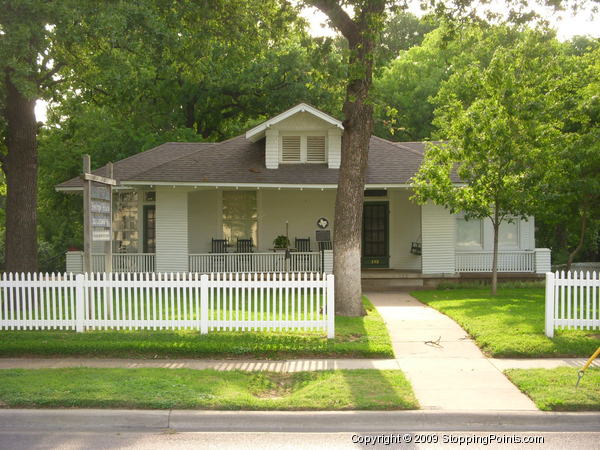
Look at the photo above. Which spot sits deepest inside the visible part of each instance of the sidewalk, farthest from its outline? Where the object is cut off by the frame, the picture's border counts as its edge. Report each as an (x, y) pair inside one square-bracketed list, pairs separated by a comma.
[(291, 365), (452, 375)]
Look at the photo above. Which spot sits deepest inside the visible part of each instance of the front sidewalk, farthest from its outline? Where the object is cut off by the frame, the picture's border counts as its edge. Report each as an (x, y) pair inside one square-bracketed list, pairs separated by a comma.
[(449, 372)]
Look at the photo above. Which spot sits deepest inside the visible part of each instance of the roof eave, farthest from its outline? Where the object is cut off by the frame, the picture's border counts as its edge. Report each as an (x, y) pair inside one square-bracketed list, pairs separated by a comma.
[(257, 132)]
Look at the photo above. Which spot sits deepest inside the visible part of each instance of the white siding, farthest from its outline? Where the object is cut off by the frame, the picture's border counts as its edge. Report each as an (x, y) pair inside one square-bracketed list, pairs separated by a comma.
[(204, 219), (438, 235), (272, 149), (405, 228), (334, 153), (171, 229)]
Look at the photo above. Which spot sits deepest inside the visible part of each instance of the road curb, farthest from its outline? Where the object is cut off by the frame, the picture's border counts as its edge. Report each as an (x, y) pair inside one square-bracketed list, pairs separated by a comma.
[(305, 421)]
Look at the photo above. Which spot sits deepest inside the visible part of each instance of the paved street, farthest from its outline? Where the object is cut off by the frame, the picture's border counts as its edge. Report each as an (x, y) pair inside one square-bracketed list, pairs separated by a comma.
[(103, 429), (283, 441)]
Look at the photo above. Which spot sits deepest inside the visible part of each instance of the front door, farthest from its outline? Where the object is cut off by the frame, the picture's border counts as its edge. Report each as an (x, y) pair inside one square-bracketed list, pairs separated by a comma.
[(375, 251)]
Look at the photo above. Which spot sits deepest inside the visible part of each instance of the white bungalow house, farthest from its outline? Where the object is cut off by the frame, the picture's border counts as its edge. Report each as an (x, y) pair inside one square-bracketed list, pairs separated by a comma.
[(175, 204)]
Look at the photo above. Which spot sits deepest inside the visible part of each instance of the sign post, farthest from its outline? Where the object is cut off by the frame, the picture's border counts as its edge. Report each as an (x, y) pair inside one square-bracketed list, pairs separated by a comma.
[(97, 212)]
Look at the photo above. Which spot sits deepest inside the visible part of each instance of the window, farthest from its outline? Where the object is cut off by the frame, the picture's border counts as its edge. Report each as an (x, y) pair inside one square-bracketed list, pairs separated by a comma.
[(149, 229), (315, 148), (290, 149), (469, 234), (239, 215), (125, 222), (508, 235), (303, 149)]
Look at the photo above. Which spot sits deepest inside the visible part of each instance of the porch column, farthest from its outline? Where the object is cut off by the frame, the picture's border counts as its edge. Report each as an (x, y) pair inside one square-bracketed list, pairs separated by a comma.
[(171, 229), (438, 235)]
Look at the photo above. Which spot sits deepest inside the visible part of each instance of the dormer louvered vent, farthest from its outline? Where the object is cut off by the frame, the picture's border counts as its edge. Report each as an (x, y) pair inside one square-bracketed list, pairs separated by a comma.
[(290, 148), (315, 148)]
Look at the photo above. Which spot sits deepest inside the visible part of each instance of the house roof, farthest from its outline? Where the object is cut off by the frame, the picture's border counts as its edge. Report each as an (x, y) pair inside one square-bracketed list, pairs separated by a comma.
[(241, 161), (258, 132)]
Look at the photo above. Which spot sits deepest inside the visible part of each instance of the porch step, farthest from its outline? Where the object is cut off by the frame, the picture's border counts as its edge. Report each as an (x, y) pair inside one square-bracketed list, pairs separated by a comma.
[(391, 283), (390, 279)]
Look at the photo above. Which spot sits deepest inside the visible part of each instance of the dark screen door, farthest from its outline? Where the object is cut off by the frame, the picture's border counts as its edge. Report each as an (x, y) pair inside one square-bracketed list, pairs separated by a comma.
[(375, 235)]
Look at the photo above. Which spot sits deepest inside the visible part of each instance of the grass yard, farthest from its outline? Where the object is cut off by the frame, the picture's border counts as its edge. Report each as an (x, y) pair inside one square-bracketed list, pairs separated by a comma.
[(356, 337), (205, 389), (554, 389), (510, 324)]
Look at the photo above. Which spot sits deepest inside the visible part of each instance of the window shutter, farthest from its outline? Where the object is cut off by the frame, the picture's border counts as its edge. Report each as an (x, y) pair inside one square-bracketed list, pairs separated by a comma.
[(290, 148), (315, 148)]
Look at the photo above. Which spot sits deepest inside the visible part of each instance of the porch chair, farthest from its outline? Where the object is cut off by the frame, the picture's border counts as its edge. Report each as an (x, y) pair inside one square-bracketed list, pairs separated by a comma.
[(218, 263), (244, 262), (325, 245), (302, 244)]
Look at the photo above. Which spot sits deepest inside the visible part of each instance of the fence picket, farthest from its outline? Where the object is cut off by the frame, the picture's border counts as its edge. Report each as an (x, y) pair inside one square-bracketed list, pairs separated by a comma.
[(229, 301), (574, 297)]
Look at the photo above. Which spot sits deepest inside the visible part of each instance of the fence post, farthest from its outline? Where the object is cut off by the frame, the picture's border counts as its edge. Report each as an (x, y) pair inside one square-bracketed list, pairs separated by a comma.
[(330, 307), (203, 304), (79, 303), (550, 304)]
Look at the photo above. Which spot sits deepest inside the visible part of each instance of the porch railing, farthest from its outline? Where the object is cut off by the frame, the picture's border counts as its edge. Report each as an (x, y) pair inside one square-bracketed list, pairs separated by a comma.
[(255, 262), (122, 262), (508, 261)]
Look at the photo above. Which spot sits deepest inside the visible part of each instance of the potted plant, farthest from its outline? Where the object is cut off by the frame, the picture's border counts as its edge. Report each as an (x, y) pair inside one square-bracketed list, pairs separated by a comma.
[(281, 242)]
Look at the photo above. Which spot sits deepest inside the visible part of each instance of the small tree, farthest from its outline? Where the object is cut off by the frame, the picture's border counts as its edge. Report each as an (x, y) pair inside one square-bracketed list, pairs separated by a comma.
[(496, 119)]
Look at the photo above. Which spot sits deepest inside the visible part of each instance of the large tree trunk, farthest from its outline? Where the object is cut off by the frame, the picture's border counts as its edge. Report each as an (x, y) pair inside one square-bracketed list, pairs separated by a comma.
[(361, 33), (349, 208), (20, 167)]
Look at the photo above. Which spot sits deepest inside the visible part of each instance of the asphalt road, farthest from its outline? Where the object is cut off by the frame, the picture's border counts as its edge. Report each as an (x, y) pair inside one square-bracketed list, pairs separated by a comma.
[(108, 429), (191, 440)]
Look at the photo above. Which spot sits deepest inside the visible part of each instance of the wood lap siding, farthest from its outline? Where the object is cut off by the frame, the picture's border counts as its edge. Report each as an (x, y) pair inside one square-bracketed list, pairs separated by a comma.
[(438, 229)]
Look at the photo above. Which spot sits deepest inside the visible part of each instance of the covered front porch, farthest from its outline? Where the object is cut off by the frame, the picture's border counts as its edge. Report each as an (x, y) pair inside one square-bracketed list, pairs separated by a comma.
[(199, 229)]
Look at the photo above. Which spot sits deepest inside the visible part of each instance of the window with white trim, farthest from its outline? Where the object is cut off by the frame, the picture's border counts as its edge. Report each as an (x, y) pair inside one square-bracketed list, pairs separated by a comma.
[(240, 216), (303, 149), (508, 235), (469, 234)]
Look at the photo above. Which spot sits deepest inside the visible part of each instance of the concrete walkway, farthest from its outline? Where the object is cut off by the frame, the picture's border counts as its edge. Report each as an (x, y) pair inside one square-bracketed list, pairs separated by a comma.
[(451, 374)]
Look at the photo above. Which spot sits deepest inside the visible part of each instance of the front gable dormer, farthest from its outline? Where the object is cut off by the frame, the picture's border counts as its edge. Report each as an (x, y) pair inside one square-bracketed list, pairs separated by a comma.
[(300, 135)]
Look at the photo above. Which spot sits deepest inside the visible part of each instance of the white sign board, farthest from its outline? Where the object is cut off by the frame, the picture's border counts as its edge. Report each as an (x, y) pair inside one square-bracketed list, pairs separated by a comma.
[(100, 211)]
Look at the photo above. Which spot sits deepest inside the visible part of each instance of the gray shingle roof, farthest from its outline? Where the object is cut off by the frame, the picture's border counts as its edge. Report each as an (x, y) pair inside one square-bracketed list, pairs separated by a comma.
[(239, 160)]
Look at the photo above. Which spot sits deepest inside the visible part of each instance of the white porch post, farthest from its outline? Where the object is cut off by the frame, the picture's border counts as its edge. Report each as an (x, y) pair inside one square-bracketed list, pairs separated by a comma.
[(171, 229), (438, 236)]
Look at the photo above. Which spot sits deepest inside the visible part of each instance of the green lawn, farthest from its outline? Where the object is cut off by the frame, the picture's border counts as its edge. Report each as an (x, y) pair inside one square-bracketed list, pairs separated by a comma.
[(554, 389), (205, 389), (356, 337), (510, 324)]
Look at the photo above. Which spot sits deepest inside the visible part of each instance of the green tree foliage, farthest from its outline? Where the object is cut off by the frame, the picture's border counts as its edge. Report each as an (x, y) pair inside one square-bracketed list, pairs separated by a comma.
[(205, 71), (569, 208), (496, 113)]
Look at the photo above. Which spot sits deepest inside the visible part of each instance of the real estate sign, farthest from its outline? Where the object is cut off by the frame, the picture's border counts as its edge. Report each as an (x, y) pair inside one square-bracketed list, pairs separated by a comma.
[(97, 210)]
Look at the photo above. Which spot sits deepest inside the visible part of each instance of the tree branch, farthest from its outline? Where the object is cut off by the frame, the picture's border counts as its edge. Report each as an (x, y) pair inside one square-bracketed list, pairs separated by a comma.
[(340, 19), (48, 75)]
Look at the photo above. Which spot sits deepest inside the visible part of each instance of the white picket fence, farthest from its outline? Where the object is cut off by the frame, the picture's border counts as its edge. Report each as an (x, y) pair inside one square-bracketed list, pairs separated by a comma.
[(572, 301), (160, 301)]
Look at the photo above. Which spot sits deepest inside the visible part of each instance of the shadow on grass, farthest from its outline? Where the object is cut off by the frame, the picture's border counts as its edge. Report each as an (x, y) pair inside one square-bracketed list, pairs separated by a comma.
[(356, 337)]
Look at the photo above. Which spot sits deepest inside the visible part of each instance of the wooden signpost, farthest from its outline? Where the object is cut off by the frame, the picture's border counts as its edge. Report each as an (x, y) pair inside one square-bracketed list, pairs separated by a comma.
[(97, 213)]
